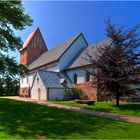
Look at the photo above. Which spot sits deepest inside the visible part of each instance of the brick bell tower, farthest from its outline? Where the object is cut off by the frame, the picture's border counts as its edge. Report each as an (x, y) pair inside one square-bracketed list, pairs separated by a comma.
[(32, 48)]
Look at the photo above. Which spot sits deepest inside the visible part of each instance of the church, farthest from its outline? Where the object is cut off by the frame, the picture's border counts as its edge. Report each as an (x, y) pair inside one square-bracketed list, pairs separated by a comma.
[(53, 70)]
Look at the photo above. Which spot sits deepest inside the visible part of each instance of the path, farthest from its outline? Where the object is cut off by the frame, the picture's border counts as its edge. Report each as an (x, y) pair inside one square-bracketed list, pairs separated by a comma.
[(75, 109)]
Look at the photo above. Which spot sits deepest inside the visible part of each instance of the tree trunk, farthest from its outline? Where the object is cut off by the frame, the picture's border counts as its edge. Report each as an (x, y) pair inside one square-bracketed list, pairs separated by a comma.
[(117, 99)]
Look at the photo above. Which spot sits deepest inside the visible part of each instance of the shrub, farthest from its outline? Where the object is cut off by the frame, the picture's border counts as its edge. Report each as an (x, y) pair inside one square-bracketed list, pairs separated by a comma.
[(74, 93)]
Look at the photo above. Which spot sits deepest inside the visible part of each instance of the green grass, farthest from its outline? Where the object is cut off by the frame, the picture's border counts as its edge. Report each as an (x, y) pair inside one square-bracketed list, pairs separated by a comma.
[(130, 109), (22, 120)]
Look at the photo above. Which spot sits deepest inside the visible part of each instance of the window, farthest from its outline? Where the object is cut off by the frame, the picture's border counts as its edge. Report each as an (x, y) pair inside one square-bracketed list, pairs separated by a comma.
[(27, 79), (39, 90), (39, 46), (37, 80), (87, 77), (39, 93), (32, 44), (63, 81), (38, 40), (75, 78), (22, 80)]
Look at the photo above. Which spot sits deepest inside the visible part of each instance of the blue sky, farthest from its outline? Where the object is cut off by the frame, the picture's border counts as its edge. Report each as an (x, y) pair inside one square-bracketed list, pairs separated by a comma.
[(58, 21)]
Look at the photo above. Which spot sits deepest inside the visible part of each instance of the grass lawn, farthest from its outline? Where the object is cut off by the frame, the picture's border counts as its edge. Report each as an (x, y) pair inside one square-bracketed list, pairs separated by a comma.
[(131, 109), (22, 120)]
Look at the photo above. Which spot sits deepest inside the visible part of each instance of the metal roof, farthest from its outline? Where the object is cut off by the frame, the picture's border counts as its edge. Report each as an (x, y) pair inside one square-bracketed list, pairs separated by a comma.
[(52, 79), (92, 51), (53, 54)]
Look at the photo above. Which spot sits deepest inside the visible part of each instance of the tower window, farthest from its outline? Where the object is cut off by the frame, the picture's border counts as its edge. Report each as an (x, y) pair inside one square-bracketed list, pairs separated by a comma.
[(32, 44)]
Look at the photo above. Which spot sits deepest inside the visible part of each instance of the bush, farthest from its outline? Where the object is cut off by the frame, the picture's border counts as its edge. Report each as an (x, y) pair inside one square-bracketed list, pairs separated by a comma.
[(74, 93)]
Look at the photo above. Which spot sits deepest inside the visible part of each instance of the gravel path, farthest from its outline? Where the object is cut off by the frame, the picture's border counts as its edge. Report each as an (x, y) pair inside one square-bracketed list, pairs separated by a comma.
[(75, 109)]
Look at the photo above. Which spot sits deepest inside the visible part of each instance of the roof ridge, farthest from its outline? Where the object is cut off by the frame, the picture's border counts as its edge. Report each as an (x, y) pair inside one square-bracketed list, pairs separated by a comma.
[(64, 42), (48, 71), (57, 46), (31, 35), (97, 42), (26, 43), (60, 49), (91, 48)]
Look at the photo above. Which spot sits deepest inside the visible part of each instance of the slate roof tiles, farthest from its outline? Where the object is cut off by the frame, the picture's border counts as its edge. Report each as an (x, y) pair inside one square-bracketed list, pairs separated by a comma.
[(51, 79)]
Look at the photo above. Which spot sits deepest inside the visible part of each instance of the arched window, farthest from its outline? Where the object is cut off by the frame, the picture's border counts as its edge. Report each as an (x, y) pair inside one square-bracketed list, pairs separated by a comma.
[(75, 78), (87, 76)]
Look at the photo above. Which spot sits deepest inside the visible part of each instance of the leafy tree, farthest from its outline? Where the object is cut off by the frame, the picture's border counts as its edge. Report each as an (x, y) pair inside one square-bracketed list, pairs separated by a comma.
[(10, 86), (117, 67), (12, 17)]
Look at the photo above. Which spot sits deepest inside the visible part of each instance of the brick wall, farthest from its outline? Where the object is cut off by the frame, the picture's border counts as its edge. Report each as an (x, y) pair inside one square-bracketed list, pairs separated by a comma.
[(89, 89), (25, 92), (23, 57)]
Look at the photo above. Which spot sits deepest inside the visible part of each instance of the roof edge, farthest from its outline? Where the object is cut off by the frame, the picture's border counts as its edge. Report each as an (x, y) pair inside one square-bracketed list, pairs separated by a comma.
[(43, 65), (80, 34)]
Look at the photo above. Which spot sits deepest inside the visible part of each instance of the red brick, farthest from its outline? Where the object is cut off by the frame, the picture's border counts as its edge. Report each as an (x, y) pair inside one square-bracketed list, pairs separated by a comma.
[(89, 89)]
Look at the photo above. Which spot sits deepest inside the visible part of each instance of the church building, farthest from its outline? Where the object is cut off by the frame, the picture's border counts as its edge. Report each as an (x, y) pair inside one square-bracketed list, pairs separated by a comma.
[(53, 70)]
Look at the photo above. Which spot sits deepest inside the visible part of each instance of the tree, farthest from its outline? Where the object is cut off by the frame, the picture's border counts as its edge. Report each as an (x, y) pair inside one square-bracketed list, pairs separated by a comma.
[(117, 67), (12, 17), (10, 86)]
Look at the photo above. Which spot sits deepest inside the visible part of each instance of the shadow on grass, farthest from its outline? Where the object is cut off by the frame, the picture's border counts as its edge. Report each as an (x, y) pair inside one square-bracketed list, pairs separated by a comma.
[(28, 120), (135, 107), (132, 109)]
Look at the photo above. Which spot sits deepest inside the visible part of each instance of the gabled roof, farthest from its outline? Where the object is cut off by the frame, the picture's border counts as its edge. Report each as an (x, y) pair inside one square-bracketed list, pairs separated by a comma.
[(52, 79), (53, 54), (92, 50), (29, 39)]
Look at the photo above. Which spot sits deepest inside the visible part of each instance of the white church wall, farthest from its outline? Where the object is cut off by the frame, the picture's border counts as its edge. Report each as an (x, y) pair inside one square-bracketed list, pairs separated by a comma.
[(26, 81), (81, 75), (70, 54), (38, 90)]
